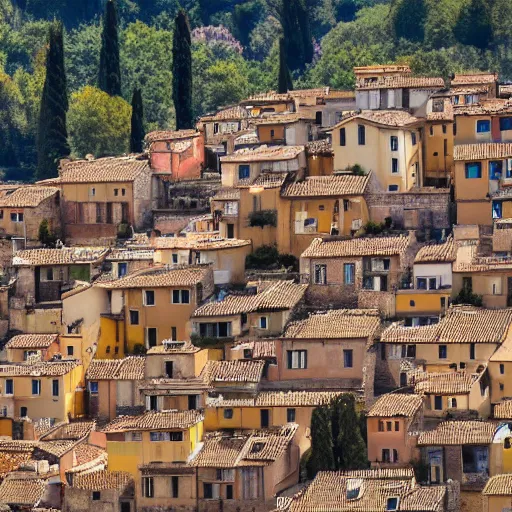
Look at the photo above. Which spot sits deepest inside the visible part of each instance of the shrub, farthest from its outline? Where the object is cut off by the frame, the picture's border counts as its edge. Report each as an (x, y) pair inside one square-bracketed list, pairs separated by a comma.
[(206, 341), (289, 260), (373, 228), (262, 257), (466, 296), (139, 349), (45, 236), (388, 221), (263, 218)]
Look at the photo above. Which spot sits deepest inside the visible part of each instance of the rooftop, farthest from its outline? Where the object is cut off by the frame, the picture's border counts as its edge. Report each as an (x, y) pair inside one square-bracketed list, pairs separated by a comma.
[(498, 485), (444, 383), (203, 244), (319, 147), (458, 433), (64, 256), (263, 154), (16, 490), (153, 420), (102, 480), (39, 369), (32, 341), (28, 196), (129, 368), (364, 246), (234, 113), (400, 82), (392, 118), (325, 186), (103, 170), (173, 347), (261, 348), (283, 118), (74, 430), (336, 324), (482, 151), (437, 252), (277, 399), (396, 404), (473, 78), (270, 296), (503, 410), (485, 108), (168, 135), (236, 371)]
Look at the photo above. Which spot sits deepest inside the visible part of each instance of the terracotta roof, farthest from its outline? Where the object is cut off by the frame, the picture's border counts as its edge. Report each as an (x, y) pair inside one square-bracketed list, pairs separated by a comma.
[(129, 368), (271, 296), (458, 432), (15, 445), (103, 170), (74, 430), (27, 197), (264, 180), (396, 404), (153, 420), (257, 448), (261, 348), (263, 154), (159, 277), (446, 114), (330, 491), (34, 341), (336, 324), (319, 147), (89, 455), (446, 383), (64, 256), (11, 461), (40, 369), (277, 399), (399, 82), (326, 186), (131, 254), (227, 194), (197, 244), (503, 410), (473, 78), (284, 118), (15, 490), (170, 135), (462, 324), (483, 151), (102, 480), (437, 253), (485, 108), (394, 118), (364, 246), (271, 96), (233, 371), (235, 113), (174, 347), (498, 485), (57, 448)]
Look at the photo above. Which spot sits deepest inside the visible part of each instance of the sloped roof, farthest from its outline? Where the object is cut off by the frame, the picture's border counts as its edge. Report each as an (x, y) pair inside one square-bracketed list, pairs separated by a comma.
[(400, 81), (336, 324), (391, 118), (170, 135), (237, 371), (15, 490), (153, 420), (445, 383), (437, 253), (198, 244), (64, 256), (39, 369), (498, 485), (32, 341), (278, 399), (263, 154), (396, 404), (473, 78), (458, 432), (102, 480), (503, 410), (482, 151), (327, 186), (129, 368), (28, 196)]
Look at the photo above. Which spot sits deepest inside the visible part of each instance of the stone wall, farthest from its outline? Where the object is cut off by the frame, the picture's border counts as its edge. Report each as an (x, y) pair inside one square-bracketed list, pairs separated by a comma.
[(383, 301), (142, 217)]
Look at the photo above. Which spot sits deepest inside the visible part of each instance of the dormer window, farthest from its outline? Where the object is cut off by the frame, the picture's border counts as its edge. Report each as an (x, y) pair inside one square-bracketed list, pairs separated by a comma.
[(353, 488), (257, 447), (392, 504)]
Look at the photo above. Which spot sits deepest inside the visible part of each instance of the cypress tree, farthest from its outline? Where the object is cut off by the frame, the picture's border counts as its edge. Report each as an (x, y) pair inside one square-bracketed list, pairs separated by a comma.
[(476, 14), (52, 139), (297, 33), (137, 122), (284, 83), (182, 71), (321, 458), (109, 78)]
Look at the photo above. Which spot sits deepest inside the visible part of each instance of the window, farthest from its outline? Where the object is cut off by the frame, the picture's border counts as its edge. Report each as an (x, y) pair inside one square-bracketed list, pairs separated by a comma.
[(123, 191), (152, 403), (502, 386), (175, 259), (96, 495), (23, 412), (472, 348), (495, 169), (216, 329), (412, 303), (403, 379), (36, 387), (9, 387), (473, 170), (393, 141), (348, 358), (438, 403), (346, 205), (265, 418), (211, 491), (169, 367), (1, 214), (443, 350), (397, 426), (244, 171), (263, 322), (389, 426), (381, 426), (452, 403), (151, 337), (444, 128), (411, 351), (16, 217), (394, 165), (228, 414), (134, 317), (483, 126), (361, 135), (349, 272), (70, 350), (55, 387), (392, 504), (165, 436), (431, 130), (393, 188), (174, 487), (229, 492), (122, 269), (181, 297), (116, 191), (454, 128), (290, 415), (395, 455), (320, 274), (93, 191), (149, 297), (443, 302), (502, 369), (318, 117), (413, 138), (148, 490), (93, 388), (343, 137), (386, 455), (174, 333), (297, 359), (505, 123)]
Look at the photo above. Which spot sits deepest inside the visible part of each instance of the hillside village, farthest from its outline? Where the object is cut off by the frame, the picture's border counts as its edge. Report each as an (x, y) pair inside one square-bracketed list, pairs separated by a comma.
[(183, 329)]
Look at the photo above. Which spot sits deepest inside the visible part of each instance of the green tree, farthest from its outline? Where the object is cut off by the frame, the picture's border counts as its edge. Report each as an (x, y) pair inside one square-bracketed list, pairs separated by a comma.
[(52, 143), (322, 458), (182, 72), (408, 19), (284, 81), (137, 123), (45, 236), (474, 24), (225, 84), (442, 16), (98, 123), (245, 17), (109, 78)]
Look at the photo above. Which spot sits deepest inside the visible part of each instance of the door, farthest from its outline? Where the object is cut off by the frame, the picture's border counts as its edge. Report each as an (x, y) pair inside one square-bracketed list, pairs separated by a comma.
[(265, 418), (125, 506), (231, 231), (151, 335), (192, 402), (169, 369)]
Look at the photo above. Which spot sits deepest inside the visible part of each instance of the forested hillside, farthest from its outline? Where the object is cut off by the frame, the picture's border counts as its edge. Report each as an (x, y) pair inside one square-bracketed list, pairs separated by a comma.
[(235, 52)]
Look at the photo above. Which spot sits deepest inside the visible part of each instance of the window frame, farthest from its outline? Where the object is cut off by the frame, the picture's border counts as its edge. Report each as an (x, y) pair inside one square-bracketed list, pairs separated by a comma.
[(393, 143), (132, 313), (468, 171), (180, 294), (302, 359), (6, 393), (148, 487), (244, 171), (145, 298), (348, 358), (351, 268), (37, 382), (361, 135), (343, 137)]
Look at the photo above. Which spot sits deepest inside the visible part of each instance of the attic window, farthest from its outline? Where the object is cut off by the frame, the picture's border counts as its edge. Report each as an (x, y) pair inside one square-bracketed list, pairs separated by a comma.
[(257, 447), (392, 504), (96, 495), (353, 488)]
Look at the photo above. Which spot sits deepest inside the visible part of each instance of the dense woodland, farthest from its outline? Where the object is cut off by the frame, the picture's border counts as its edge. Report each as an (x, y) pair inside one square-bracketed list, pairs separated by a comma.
[(235, 51)]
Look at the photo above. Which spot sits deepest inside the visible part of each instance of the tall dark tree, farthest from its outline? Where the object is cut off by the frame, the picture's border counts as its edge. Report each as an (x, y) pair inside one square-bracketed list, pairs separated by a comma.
[(137, 123), (182, 71), (109, 78), (284, 82), (408, 19), (321, 457), (52, 140), (474, 25)]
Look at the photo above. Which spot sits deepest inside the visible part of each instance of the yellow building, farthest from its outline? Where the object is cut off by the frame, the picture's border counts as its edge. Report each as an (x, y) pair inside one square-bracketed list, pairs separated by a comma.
[(157, 303), (500, 368), (49, 389), (497, 494), (40, 347), (386, 142), (287, 129)]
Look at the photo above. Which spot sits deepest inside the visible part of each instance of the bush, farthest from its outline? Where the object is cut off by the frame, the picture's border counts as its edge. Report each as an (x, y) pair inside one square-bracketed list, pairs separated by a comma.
[(388, 221), (45, 236), (262, 257), (206, 341), (373, 228), (289, 260), (466, 296), (263, 218), (139, 349)]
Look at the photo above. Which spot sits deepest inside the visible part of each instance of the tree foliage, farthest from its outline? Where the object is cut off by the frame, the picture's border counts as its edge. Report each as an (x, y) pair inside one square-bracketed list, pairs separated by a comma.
[(284, 80), (52, 141), (408, 19), (109, 77), (137, 123), (98, 123), (182, 72)]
